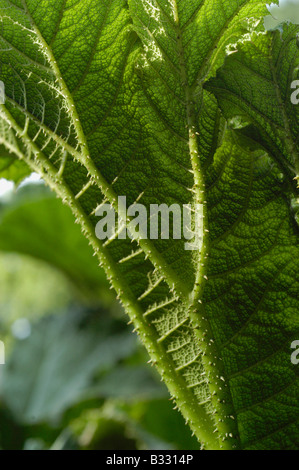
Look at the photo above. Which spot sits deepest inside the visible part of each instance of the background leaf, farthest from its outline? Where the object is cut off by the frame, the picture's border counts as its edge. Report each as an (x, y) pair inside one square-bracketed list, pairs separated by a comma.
[(255, 83)]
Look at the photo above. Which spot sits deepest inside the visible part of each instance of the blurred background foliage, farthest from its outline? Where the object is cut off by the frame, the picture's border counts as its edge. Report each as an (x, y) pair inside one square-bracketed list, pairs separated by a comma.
[(76, 376)]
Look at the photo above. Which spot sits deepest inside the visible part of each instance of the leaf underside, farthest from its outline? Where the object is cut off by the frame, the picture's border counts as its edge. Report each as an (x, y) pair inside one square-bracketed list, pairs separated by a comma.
[(105, 99), (270, 63)]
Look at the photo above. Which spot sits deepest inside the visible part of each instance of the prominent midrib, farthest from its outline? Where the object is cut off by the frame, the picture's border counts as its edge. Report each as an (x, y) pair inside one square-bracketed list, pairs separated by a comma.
[(192, 127), (196, 311), (201, 422), (171, 277)]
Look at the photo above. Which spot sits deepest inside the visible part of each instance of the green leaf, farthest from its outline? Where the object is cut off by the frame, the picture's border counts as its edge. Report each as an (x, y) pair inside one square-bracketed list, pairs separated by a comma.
[(251, 299), (106, 98), (11, 167), (257, 82)]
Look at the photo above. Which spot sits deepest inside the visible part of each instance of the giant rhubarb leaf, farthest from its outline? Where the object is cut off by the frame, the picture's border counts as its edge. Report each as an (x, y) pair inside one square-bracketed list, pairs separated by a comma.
[(105, 99)]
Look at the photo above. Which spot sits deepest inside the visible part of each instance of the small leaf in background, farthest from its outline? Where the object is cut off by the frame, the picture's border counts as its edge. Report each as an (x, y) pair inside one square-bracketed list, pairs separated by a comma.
[(11, 168), (256, 83)]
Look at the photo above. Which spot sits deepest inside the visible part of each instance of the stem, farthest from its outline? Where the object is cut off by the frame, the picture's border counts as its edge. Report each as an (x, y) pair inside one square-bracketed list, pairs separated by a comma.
[(227, 431), (201, 423)]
